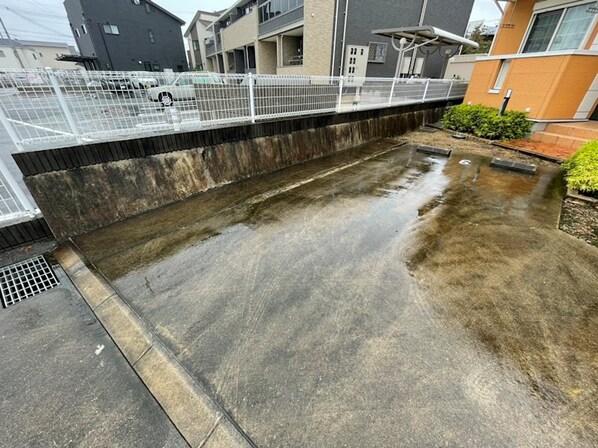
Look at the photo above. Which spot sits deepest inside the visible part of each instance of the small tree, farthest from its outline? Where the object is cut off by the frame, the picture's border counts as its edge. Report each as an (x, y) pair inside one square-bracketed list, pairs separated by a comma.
[(481, 39)]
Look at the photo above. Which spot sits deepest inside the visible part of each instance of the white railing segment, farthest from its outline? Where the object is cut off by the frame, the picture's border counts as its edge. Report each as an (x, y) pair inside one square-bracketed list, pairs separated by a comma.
[(50, 108)]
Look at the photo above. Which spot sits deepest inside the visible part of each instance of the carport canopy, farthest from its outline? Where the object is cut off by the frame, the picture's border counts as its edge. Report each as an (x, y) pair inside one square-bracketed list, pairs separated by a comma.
[(410, 38), (426, 35)]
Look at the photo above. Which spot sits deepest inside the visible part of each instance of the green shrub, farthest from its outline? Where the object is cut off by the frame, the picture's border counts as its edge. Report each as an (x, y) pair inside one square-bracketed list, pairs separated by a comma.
[(582, 169), (484, 121)]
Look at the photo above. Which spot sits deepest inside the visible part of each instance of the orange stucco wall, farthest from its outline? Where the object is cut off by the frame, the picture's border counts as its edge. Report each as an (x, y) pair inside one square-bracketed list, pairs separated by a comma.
[(550, 87), (513, 27)]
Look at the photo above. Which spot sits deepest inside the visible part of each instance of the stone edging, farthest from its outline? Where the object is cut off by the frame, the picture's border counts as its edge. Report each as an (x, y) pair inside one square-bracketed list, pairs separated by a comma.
[(574, 194)]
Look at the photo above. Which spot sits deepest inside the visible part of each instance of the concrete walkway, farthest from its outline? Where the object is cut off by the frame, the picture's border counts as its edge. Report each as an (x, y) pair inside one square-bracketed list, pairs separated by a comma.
[(403, 300), (64, 383)]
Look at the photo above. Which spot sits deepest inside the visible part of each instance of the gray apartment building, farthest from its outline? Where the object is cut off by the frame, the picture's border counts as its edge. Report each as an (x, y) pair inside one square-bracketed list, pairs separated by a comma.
[(127, 35), (319, 37)]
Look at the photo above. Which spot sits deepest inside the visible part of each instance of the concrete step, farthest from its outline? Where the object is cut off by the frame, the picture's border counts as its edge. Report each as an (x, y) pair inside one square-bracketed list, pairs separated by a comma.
[(581, 130), (563, 141)]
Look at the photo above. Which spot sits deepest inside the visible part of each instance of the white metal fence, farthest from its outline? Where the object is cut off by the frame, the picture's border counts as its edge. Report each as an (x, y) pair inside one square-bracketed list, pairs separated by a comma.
[(45, 108), (15, 205)]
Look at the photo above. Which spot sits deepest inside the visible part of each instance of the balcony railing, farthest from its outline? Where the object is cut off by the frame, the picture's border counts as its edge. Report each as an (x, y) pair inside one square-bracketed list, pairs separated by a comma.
[(210, 49), (281, 21)]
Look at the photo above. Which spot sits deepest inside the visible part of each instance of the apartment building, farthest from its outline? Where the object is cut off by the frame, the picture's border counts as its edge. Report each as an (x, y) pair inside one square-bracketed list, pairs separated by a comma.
[(197, 36), (29, 54), (545, 56), (546, 53), (127, 35), (319, 37)]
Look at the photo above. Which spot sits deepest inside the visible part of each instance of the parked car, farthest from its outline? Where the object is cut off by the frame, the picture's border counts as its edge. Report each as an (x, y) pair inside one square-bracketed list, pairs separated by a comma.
[(182, 88), (116, 84), (142, 81)]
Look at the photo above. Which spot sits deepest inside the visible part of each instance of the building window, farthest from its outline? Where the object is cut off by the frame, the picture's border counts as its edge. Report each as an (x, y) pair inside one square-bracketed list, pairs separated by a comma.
[(41, 55), (148, 8), (377, 52), (77, 33), (34, 56), (502, 74), (84, 29), (195, 45), (111, 29), (2, 54), (562, 29), (156, 67), (150, 34)]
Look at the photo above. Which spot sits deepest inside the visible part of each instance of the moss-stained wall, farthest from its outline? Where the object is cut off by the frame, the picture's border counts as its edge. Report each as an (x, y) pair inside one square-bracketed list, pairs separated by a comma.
[(90, 195)]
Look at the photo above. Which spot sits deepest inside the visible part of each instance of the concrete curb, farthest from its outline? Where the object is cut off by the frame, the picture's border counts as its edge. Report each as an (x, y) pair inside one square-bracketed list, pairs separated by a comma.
[(434, 150), (199, 419), (511, 165), (575, 194)]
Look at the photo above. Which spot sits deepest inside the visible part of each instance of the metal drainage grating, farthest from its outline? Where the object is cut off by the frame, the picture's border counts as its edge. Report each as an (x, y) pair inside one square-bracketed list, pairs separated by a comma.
[(25, 279)]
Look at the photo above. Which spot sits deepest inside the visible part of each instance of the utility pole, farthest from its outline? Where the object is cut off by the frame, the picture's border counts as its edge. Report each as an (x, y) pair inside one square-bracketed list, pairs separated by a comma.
[(5, 30)]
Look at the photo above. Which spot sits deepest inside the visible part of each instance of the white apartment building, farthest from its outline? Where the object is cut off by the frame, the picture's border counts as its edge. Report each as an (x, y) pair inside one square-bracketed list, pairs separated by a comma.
[(197, 36), (28, 54)]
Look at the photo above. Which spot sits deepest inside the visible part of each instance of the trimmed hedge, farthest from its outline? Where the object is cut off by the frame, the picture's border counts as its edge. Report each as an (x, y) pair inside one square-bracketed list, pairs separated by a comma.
[(484, 122), (582, 169)]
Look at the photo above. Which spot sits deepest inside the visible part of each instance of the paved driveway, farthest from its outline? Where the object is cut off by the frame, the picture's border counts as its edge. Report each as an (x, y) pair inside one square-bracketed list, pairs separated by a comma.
[(405, 300)]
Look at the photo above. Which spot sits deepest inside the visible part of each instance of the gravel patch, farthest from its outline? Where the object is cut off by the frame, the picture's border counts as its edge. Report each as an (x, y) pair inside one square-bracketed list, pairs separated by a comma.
[(580, 220)]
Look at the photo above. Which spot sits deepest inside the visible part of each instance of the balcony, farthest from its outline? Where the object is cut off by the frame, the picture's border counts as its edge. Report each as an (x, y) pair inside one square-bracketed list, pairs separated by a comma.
[(242, 32), (210, 49), (281, 21)]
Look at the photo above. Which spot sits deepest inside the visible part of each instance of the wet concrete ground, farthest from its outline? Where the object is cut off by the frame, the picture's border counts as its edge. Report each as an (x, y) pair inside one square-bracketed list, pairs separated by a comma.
[(64, 383), (403, 301)]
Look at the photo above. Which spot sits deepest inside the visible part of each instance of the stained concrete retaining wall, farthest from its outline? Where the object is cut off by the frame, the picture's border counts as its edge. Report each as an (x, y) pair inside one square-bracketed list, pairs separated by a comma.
[(86, 187)]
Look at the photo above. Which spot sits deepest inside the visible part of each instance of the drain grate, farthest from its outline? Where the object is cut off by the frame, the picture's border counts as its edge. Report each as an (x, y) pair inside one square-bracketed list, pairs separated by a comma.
[(25, 279)]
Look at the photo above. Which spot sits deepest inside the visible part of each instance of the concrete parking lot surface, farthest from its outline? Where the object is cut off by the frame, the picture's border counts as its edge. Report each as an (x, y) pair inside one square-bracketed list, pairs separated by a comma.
[(406, 300), (64, 382)]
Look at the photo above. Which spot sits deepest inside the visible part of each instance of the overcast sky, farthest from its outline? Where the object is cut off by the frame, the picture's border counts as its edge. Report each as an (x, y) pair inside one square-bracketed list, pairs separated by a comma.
[(46, 19)]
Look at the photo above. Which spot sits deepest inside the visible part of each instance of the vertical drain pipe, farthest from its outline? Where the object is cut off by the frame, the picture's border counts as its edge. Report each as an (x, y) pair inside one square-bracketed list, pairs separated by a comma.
[(334, 39), (344, 37), (422, 17)]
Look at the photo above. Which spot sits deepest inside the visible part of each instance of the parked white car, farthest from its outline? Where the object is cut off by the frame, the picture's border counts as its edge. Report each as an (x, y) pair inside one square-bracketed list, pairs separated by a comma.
[(142, 81), (182, 88)]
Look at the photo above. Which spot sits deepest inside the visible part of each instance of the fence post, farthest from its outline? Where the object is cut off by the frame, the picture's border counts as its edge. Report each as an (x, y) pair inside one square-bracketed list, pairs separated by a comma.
[(62, 101), (426, 91), (25, 203), (392, 91), (251, 97), (10, 130), (448, 94), (339, 102)]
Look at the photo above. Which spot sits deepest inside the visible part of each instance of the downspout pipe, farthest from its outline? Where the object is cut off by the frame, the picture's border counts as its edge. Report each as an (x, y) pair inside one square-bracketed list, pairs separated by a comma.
[(344, 37), (334, 39), (422, 16)]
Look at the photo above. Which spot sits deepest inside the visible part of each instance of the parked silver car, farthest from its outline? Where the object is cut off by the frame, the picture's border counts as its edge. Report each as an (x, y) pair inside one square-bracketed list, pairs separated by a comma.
[(182, 88)]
